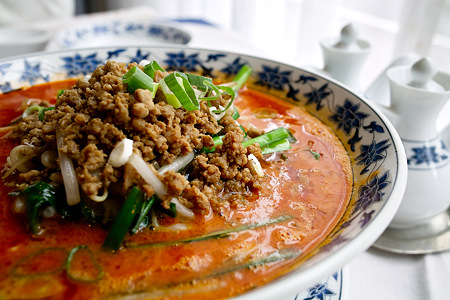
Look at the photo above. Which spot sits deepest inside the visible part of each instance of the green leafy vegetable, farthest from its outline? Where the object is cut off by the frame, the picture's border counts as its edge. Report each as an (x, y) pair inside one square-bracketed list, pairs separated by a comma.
[(140, 222), (38, 195), (124, 219)]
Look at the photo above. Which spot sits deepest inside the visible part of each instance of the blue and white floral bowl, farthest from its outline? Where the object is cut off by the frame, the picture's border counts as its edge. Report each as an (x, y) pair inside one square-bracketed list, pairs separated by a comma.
[(377, 154)]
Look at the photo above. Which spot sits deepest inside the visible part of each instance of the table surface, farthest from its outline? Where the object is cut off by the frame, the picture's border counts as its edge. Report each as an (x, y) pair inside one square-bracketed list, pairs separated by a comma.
[(374, 274)]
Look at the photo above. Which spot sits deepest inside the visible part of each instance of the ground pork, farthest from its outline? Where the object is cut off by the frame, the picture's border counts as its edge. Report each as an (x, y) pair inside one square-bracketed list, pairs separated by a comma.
[(97, 113)]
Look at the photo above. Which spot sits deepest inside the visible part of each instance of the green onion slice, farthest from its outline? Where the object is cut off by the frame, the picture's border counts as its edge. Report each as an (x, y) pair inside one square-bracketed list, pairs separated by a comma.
[(229, 91), (31, 265), (277, 146), (137, 79), (151, 68), (200, 82), (42, 112), (178, 86), (270, 137), (90, 271), (241, 77)]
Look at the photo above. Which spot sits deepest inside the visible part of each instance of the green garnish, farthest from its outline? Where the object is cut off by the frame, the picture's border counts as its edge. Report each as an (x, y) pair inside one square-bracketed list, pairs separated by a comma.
[(140, 222), (277, 146), (31, 109), (179, 92), (82, 275), (216, 234), (135, 78), (124, 219), (272, 141), (270, 137), (241, 77), (37, 195), (315, 154), (151, 68), (27, 266), (42, 112)]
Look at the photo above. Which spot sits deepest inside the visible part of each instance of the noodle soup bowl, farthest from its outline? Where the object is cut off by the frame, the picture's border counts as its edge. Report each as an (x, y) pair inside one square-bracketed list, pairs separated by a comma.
[(378, 162)]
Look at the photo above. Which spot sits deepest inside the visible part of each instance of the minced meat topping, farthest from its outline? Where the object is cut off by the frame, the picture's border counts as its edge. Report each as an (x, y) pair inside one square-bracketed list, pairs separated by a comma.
[(97, 113)]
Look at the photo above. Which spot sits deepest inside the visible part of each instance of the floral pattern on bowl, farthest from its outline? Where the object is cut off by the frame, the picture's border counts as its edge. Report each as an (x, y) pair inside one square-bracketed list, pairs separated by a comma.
[(377, 154)]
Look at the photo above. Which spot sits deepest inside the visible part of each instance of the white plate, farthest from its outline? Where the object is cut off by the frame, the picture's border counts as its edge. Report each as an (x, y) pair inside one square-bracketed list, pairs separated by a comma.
[(118, 33)]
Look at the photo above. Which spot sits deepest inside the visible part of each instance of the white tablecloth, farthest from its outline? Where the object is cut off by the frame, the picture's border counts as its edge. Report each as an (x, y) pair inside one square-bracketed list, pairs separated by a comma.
[(374, 274)]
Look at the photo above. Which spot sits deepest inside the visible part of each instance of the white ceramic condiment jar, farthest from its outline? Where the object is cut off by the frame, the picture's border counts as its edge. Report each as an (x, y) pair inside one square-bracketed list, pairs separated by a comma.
[(418, 94), (344, 56)]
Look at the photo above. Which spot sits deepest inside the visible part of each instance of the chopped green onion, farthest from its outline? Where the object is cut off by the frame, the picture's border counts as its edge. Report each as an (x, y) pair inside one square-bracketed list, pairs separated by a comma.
[(42, 112), (60, 92), (274, 257), (217, 234), (315, 154), (229, 91), (26, 266), (31, 109), (82, 275), (264, 140), (236, 116), (124, 219), (270, 137), (241, 77), (277, 146), (198, 81), (213, 88), (137, 79), (182, 90), (151, 68)]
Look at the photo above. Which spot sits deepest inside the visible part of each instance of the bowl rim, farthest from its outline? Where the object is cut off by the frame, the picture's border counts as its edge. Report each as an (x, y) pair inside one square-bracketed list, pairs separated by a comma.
[(282, 286)]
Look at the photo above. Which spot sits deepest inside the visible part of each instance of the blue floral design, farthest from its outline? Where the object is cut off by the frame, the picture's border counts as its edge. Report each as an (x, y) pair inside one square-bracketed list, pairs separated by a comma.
[(319, 291), (6, 87), (318, 95), (32, 73), (79, 65), (233, 68), (366, 217), (3, 68), (426, 155), (139, 56), (348, 116), (371, 192), (101, 29), (134, 27), (186, 63), (115, 53), (371, 154), (273, 78)]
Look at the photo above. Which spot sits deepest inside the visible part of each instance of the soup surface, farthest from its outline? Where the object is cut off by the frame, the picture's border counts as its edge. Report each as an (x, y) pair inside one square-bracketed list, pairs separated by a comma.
[(259, 238)]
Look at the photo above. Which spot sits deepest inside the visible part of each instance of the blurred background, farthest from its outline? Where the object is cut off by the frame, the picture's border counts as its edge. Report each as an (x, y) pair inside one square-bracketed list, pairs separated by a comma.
[(284, 30)]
